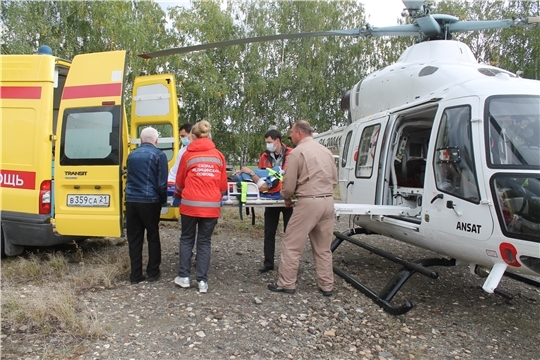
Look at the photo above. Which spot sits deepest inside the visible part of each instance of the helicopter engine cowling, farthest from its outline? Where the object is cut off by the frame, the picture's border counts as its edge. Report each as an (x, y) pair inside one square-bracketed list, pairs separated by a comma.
[(423, 64)]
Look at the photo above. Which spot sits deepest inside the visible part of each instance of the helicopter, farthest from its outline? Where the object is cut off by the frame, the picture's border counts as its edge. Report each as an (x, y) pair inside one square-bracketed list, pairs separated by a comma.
[(440, 151)]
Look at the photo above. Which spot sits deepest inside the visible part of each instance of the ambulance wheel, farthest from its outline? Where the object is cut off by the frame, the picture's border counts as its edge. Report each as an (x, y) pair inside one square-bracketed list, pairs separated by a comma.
[(3, 246)]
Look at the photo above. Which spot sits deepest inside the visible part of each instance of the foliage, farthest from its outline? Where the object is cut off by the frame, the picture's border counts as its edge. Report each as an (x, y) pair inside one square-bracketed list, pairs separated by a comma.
[(243, 90)]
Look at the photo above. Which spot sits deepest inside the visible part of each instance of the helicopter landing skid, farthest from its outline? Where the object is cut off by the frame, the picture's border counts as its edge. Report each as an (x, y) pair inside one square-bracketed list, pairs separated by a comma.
[(384, 298)]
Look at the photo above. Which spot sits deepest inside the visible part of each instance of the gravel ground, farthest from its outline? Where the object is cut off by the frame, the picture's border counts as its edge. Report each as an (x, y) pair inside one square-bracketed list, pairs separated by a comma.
[(240, 319)]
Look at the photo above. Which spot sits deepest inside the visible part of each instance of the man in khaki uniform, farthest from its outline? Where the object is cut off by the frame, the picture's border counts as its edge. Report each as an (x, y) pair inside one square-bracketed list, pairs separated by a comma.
[(311, 175)]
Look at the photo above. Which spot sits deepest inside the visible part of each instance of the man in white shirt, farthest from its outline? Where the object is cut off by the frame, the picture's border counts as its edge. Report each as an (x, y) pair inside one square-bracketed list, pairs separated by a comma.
[(185, 130)]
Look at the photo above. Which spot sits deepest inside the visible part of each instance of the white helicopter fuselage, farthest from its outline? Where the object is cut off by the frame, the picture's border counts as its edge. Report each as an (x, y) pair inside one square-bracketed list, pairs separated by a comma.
[(444, 153)]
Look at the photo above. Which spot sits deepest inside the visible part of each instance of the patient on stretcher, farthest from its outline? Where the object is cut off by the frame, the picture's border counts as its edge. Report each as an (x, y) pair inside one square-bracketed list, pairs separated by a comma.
[(268, 180)]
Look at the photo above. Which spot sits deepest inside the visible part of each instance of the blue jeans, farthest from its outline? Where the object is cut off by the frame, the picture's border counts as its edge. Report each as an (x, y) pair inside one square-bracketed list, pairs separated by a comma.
[(200, 229)]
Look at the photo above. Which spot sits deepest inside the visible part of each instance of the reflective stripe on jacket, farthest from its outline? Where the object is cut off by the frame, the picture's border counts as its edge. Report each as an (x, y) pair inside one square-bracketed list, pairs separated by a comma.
[(201, 179), (267, 161)]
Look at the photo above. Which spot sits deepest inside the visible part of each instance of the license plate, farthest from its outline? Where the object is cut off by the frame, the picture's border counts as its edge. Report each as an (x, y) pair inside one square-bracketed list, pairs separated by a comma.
[(89, 200)]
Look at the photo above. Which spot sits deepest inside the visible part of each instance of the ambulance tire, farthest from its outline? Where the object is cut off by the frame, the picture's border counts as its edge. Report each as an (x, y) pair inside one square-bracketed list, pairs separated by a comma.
[(3, 246)]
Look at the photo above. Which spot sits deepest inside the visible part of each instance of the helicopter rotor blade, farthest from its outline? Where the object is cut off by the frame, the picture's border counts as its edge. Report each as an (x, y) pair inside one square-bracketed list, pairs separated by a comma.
[(367, 31), (461, 26), (187, 49)]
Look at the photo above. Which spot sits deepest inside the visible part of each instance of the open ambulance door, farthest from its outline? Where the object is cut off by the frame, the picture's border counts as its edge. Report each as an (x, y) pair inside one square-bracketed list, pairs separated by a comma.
[(90, 150), (155, 104)]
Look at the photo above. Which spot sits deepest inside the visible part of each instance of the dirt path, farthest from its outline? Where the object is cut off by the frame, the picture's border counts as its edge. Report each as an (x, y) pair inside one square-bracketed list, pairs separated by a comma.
[(240, 319)]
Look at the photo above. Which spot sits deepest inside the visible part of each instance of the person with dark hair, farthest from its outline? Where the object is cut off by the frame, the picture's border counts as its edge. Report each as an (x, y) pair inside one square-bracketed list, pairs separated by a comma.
[(146, 191), (312, 176), (200, 183), (275, 155), (185, 130)]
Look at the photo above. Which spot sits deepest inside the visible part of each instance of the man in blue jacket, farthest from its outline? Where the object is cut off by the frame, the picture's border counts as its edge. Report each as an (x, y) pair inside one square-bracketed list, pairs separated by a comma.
[(146, 190)]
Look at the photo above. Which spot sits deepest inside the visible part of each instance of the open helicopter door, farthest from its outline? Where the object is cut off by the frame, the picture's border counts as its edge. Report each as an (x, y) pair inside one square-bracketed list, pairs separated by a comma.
[(455, 204), (88, 185), (155, 104), (364, 158)]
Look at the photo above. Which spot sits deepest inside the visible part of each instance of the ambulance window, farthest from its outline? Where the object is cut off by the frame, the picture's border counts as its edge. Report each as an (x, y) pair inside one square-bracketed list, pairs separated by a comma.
[(453, 163), (90, 136), (366, 151), (152, 100), (346, 149), (166, 138)]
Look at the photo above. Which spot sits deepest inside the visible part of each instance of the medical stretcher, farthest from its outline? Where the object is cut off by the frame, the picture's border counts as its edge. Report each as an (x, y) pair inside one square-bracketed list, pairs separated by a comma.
[(253, 198)]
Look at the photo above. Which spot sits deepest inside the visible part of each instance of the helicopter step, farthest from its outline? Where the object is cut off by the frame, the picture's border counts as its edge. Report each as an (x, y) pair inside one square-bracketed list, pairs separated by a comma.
[(384, 298)]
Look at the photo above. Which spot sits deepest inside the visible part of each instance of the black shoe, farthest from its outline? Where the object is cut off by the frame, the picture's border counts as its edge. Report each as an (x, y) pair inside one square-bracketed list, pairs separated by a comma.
[(326, 293), (266, 268), (154, 278), (276, 288), (135, 282)]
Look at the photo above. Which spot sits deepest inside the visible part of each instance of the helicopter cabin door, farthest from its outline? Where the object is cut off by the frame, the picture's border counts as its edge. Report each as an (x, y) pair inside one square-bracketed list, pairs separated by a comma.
[(365, 159), (155, 104), (455, 202), (88, 188)]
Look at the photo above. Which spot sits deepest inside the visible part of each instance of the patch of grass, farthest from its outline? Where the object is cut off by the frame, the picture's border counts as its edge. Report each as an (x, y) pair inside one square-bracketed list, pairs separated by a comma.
[(230, 221), (40, 290), (57, 264), (47, 310), (35, 267)]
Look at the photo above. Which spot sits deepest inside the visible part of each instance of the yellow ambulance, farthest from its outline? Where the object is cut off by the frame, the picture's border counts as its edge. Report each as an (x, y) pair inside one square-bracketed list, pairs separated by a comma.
[(65, 142)]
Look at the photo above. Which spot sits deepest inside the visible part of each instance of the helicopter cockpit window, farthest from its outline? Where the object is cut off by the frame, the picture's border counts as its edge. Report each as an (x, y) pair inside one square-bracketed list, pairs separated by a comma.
[(366, 151), (513, 130), (346, 149), (453, 162)]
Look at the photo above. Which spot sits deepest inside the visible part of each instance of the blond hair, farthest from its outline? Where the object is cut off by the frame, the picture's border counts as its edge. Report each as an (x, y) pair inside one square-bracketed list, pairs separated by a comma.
[(201, 129)]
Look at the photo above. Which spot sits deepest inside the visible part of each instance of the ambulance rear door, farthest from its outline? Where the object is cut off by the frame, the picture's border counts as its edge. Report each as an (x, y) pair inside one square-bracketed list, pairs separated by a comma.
[(155, 104), (90, 147)]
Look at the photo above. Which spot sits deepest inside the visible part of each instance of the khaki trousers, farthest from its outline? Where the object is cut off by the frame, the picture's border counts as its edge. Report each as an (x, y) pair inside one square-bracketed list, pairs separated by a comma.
[(313, 217)]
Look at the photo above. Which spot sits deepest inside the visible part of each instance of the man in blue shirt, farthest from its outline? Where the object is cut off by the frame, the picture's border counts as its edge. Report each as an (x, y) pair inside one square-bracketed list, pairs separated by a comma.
[(146, 190)]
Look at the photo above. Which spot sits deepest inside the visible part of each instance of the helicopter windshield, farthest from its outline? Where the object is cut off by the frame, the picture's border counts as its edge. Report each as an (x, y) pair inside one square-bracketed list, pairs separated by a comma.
[(513, 131)]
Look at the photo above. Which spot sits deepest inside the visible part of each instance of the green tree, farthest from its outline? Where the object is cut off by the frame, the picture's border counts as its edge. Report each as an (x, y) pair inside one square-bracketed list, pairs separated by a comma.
[(77, 27)]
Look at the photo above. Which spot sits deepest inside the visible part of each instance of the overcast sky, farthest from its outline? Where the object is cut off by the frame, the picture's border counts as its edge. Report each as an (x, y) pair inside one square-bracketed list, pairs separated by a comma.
[(380, 12)]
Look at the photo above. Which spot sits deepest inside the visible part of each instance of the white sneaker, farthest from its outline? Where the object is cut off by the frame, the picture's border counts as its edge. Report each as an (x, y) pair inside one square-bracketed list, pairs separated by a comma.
[(203, 286), (182, 281)]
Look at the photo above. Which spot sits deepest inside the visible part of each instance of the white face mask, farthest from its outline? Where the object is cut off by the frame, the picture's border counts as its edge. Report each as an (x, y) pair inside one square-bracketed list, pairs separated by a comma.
[(270, 147)]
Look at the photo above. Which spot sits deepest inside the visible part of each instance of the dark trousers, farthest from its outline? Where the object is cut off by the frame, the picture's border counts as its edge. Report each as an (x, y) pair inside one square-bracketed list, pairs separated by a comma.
[(200, 230), (141, 217), (271, 220)]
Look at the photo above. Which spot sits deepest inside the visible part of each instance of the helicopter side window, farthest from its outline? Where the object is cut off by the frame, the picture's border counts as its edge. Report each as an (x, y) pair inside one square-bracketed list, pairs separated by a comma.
[(366, 151), (453, 163), (346, 149)]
